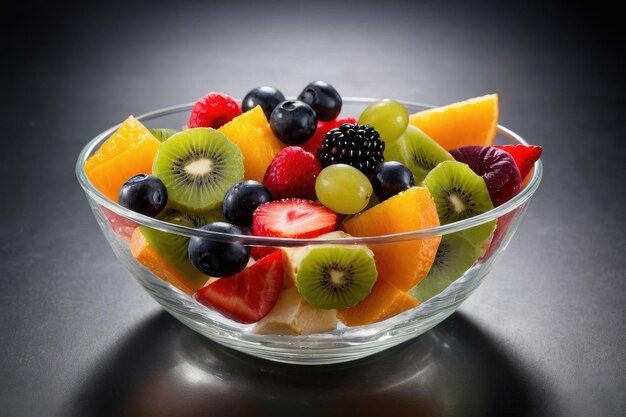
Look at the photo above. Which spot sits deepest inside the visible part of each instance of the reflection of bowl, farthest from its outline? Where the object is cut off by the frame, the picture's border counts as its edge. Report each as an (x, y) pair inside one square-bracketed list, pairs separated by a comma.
[(342, 344)]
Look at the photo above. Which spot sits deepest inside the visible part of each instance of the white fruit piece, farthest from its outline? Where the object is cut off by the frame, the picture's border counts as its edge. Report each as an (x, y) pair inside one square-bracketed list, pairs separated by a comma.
[(293, 315)]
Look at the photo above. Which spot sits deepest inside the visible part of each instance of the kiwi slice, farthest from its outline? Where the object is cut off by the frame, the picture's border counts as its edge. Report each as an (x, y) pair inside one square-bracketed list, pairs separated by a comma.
[(417, 152), (173, 247), (459, 194), (197, 167), (194, 220), (336, 276), (163, 134), (455, 255)]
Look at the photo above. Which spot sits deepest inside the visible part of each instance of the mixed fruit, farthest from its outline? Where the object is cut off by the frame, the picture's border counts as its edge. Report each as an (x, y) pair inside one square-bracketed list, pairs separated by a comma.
[(267, 166)]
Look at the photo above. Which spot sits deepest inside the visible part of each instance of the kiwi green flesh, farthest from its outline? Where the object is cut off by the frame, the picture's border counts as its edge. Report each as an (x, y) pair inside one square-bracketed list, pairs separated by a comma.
[(173, 248), (198, 166), (416, 151), (459, 194), (455, 255), (163, 134), (331, 277)]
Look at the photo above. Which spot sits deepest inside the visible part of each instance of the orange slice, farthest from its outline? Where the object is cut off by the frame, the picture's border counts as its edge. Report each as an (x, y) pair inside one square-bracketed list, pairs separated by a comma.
[(383, 302), (128, 152), (403, 264), (466, 123), (252, 133)]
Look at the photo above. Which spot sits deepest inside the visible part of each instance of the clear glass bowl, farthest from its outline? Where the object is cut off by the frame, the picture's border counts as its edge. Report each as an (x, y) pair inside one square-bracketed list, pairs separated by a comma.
[(344, 343)]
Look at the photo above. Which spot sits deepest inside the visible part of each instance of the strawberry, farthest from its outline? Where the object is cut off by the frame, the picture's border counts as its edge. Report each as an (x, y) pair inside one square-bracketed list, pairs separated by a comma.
[(313, 144), (524, 156), (292, 173), (294, 218), (250, 295), (122, 226), (214, 110)]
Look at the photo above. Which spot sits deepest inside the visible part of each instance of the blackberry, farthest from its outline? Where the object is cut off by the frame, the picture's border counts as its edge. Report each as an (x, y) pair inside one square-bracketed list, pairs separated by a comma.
[(357, 145)]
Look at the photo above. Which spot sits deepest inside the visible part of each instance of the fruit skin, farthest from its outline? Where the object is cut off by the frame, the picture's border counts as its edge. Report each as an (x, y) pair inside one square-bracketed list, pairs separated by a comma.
[(293, 315), (455, 255), (251, 294), (497, 168), (147, 255), (466, 123), (343, 189), (266, 97), (215, 258), (294, 218), (391, 178), (213, 110), (242, 199), (417, 151), (292, 173), (163, 134), (403, 264), (293, 122), (127, 152), (357, 145), (145, 194), (389, 117), (198, 166), (252, 134), (383, 302), (122, 226), (323, 98), (313, 144), (524, 156)]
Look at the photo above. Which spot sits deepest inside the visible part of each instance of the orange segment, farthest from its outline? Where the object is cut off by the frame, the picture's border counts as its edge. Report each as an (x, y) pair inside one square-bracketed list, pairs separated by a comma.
[(403, 264), (466, 123), (383, 302), (128, 152), (146, 255), (252, 133)]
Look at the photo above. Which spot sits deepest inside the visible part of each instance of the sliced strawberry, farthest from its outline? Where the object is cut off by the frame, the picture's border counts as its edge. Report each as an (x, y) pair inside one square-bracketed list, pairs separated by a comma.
[(292, 173), (250, 295), (313, 144), (294, 218), (524, 156)]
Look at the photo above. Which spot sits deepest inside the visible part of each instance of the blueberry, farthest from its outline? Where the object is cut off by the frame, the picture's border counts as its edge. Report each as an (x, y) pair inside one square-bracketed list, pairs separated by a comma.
[(266, 97), (242, 199), (145, 194), (293, 122), (391, 178), (323, 98), (215, 258)]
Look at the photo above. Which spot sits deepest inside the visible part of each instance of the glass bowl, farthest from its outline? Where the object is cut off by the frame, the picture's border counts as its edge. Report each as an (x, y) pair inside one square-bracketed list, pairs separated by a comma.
[(344, 343)]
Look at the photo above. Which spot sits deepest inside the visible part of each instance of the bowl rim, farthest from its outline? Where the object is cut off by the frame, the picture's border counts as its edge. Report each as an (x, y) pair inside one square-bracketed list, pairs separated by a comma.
[(525, 194)]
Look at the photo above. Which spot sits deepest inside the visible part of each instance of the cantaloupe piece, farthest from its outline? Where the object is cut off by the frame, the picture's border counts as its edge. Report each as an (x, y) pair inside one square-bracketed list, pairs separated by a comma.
[(466, 123), (126, 153), (402, 264), (258, 144), (145, 254), (383, 302)]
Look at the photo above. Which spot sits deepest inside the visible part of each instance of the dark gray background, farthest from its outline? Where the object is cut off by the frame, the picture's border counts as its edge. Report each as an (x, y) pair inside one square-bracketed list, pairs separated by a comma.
[(543, 336)]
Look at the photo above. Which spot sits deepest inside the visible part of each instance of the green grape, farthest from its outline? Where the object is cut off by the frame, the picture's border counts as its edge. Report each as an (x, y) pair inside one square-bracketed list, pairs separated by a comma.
[(343, 189), (388, 117)]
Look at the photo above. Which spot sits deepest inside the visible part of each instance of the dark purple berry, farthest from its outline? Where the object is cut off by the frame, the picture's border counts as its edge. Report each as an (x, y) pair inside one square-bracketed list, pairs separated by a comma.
[(242, 199), (323, 98), (357, 145), (145, 194), (293, 122), (266, 97), (391, 178), (215, 258)]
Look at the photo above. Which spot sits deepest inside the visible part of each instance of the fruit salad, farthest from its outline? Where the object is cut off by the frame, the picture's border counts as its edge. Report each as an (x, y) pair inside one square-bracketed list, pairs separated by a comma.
[(299, 169)]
